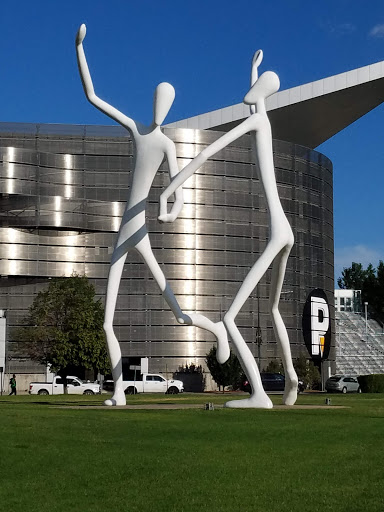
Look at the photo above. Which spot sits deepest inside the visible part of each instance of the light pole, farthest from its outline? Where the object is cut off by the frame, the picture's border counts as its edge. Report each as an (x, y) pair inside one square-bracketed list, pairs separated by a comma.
[(259, 339), (3, 346), (366, 317)]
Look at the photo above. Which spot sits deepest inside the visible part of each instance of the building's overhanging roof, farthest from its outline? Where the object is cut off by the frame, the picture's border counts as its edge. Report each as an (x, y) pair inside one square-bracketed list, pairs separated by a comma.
[(308, 114)]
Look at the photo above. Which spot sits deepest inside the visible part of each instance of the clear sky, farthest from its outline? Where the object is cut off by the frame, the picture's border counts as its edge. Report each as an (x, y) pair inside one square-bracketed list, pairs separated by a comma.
[(203, 48)]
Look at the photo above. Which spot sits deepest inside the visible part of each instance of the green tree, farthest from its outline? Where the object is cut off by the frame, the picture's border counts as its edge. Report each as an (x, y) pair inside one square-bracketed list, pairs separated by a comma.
[(371, 283), (64, 327), (353, 277), (307, 372), (274, 366), (379, 293), (227, 374)]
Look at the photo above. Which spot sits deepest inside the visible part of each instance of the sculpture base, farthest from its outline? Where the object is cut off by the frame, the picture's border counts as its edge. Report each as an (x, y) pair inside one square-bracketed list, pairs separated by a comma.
[(116, 399), (253, 402)]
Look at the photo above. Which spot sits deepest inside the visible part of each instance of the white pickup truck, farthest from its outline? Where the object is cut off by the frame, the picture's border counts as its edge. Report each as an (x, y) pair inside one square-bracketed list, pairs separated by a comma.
[(75, 386), (149, 383)]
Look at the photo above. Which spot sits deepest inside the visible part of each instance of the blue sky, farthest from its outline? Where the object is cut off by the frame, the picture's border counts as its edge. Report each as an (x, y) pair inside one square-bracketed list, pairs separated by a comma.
[(204, 49)]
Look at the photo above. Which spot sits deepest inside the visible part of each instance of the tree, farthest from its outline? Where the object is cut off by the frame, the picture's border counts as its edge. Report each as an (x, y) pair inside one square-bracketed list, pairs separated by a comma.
[(307, 372), (379, 293), (371, 283), (64, 327), (305, 369), (274, 366), (227, 374), (353, 277)]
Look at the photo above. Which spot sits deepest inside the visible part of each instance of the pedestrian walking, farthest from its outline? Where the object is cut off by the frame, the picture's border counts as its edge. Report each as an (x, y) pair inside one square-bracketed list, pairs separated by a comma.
[(12, 383)]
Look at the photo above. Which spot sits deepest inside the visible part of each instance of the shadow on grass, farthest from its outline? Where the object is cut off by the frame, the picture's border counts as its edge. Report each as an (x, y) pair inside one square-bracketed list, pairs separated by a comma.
[(61, 403)]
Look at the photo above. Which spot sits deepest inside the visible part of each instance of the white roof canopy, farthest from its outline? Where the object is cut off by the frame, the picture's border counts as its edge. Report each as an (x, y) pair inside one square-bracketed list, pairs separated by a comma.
[(308, 114)]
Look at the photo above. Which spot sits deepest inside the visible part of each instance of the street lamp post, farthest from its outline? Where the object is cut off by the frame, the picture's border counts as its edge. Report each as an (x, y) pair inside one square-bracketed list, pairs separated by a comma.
[(366, 317), (259, 340)]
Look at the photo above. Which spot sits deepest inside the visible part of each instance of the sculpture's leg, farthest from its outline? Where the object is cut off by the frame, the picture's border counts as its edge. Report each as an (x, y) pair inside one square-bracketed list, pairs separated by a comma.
[(217, 329), (114, 351), (258, 398), (278, 273)]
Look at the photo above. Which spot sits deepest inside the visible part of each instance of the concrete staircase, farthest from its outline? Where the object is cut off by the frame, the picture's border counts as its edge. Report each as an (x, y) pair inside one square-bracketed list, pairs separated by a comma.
[(359, 348)]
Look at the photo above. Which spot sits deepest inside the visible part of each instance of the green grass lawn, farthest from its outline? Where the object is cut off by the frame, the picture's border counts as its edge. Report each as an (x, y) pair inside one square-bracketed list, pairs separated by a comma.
[(56, 458)]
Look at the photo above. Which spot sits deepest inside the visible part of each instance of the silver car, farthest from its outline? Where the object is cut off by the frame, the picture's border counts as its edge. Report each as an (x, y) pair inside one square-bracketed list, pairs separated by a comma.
[(343, 384)]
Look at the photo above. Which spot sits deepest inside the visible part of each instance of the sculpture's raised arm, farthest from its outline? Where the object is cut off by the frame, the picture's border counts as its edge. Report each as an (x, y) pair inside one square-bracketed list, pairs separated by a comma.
[(198, 161), (89, 90), (256, 61)]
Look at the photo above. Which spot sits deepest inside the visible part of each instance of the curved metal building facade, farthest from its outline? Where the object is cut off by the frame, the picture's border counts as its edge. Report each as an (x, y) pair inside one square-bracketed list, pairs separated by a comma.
[(63, 191)]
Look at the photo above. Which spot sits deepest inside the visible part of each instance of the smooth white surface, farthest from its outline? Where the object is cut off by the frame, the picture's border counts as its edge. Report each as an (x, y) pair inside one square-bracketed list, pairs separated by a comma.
[(151, 148), (277, 249)]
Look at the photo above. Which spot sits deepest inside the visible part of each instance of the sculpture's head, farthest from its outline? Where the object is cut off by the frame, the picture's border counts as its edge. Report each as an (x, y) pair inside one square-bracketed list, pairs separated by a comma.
[(265, 86), (162, 102)]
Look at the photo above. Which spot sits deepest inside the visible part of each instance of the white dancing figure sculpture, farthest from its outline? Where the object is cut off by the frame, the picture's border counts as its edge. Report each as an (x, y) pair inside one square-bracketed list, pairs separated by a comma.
[(152, 146), (279, 244)]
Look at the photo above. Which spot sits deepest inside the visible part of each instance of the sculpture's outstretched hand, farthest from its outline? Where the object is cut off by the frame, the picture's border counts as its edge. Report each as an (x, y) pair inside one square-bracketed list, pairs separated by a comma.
[(256, 61), (81, 34), (164, 216), (257, 58), (88, 85)]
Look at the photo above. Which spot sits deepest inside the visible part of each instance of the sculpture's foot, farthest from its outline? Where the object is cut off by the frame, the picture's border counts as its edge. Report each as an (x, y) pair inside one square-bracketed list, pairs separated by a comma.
[(223, 352), (290, 392), (118, 398), (261, 401)]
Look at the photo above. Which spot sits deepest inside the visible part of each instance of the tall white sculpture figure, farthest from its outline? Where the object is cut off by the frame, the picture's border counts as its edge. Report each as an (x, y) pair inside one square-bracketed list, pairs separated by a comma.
[(279, 244), (151, 147)]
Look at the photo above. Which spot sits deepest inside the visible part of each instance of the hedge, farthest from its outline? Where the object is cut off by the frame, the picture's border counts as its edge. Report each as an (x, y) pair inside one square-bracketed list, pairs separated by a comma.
[(372, 383)]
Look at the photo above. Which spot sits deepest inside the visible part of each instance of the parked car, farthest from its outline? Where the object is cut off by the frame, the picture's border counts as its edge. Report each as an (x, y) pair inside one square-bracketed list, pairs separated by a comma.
[(148, 383), (272, 382), (109, 386), (75, 386), (343, 384)]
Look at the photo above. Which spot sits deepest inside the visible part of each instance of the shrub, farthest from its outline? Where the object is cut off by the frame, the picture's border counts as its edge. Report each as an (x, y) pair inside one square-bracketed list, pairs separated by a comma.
[(372, 383)]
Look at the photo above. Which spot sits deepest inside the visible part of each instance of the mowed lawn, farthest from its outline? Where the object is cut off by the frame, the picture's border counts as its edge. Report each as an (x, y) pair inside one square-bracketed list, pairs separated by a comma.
[(57, 458)]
